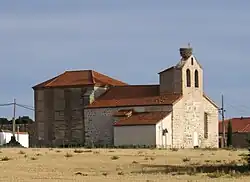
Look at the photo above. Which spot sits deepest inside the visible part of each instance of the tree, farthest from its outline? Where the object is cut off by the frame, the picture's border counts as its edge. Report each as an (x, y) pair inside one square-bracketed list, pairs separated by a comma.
[(229, 134), (4, 121), (19, 120), (24, 120)]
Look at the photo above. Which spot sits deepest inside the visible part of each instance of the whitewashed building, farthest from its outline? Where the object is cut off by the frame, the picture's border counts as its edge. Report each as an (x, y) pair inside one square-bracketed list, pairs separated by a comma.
[(152, 125), (21, 137)]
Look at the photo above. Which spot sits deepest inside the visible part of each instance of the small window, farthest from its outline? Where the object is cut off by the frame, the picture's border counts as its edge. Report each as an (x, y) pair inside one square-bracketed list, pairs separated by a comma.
[(205, 125), (188, 75), (164, 131), (196, 79), (192, 61)]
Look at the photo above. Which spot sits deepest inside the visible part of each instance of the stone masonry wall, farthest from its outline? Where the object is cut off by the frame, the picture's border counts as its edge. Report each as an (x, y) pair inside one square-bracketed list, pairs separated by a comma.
[(99, 123), (188, 113), (48, 112), (60, 111), (59, 115), (213, 124), (188, 117), (39, 116), (171, 81)]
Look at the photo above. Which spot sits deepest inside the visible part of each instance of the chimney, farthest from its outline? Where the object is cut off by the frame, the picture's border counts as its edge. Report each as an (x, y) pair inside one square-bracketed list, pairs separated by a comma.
[(186, 52)]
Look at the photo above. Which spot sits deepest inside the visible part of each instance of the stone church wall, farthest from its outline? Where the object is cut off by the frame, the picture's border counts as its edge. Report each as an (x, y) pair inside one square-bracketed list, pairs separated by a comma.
[(99, 123)]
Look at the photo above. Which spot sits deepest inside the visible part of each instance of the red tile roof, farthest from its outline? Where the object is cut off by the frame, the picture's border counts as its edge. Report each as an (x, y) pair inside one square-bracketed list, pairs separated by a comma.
[(246, 129), (239, 125), (143, 118), (79, 78), (134, 95)]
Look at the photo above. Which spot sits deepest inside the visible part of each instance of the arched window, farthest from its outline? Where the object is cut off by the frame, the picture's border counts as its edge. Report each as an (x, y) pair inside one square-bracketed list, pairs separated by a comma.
[(188, 75), (196, 79), (192, 61)]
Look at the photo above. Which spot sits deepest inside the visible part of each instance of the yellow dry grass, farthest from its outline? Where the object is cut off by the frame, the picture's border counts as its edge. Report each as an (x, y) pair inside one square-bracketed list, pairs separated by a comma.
[(110, 165)]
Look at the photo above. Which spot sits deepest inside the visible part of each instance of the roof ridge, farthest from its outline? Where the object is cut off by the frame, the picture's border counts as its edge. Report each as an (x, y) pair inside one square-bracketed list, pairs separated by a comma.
[(78, 70), (166, 69), (87, 77), (92, 76), (112, 78), (44, 83), (137, 85), (55, 79), (241, 118)]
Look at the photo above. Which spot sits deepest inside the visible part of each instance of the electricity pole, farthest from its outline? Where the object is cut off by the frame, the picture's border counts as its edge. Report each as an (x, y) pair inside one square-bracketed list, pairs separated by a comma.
[(14, 119), (223, 121)]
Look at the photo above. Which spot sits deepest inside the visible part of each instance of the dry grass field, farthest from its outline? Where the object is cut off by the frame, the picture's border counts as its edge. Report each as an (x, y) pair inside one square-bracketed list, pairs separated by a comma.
[(110, 165)]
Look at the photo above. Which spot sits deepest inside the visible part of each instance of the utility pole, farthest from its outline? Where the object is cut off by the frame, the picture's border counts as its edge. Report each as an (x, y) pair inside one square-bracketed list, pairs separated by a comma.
[(14, 119), (223, 121)]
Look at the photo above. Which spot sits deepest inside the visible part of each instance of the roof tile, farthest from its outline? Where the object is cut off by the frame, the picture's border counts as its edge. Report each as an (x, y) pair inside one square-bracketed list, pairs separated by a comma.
[(134, 95), (79, 78), (239, 125), (143, 118)]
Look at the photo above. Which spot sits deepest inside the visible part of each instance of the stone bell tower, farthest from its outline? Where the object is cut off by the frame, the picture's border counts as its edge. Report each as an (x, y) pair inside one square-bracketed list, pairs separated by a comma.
[(185, 77), (192, 73)]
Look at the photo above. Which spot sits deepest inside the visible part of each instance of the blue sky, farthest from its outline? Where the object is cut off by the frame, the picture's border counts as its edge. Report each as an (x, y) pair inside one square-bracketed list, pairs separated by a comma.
[(130, 40)]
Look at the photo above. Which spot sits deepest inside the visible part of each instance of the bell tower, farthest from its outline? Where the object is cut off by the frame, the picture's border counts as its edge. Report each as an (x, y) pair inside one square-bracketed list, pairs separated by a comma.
[(192, 73), (185, 77)]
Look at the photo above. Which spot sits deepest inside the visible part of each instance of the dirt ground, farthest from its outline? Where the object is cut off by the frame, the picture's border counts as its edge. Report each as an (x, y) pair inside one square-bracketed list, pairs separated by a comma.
[(110, 165)]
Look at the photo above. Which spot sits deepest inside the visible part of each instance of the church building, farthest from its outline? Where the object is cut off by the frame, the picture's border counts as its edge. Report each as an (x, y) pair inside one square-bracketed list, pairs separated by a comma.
[(89, 108)]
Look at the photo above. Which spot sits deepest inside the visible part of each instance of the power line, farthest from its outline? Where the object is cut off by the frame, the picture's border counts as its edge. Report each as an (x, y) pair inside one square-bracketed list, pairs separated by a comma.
[(238, 108), (20, 105), (25, 107), (14, 115), (237, 104), (9, 104)]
